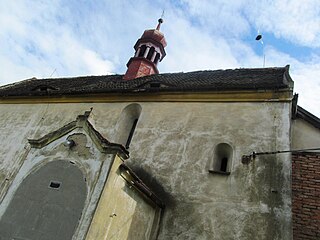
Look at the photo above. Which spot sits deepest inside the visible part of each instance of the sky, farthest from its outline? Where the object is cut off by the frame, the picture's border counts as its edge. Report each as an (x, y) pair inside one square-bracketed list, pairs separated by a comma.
[(67, 38)]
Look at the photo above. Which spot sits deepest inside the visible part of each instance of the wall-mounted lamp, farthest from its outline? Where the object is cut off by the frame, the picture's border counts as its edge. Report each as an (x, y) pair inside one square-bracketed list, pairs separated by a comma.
[(69, 143)]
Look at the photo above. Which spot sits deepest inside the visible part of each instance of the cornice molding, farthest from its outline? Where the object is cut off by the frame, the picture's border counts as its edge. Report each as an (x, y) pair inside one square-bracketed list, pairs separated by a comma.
[(231, 96)]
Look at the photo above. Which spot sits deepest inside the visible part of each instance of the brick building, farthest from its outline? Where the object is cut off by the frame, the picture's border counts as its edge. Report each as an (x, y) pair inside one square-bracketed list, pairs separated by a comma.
[(306, 177)]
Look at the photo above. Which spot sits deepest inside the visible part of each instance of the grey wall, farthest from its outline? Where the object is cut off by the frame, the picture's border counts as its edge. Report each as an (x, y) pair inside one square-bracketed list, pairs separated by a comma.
[(18, 160), (304, 135), (172, 150), (47, 205)]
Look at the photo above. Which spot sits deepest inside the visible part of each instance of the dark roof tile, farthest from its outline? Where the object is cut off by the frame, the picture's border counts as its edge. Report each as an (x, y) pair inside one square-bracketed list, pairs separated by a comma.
[(216, 80)]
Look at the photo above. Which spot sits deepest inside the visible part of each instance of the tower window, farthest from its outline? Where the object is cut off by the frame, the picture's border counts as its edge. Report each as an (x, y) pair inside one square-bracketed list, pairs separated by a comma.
[(156, 59), (142, 50), (150, 54), (221, 163)]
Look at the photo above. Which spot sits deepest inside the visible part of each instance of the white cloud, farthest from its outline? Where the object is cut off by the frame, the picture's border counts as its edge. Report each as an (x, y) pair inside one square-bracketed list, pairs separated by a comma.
[(295, 20), (307, 84), (221, 17), (97, 37), (305, 76), (36, 40), (191, 49)]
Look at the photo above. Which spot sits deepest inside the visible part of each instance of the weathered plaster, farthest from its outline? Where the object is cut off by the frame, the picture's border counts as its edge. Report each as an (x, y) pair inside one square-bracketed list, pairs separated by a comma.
[(47, 204), (172, 150), (179, 141), (121, 212), (304, 135), (93, 163)]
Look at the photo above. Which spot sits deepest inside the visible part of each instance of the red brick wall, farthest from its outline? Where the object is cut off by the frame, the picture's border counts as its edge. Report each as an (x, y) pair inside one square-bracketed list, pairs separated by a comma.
[(306, 196), (139, 67)]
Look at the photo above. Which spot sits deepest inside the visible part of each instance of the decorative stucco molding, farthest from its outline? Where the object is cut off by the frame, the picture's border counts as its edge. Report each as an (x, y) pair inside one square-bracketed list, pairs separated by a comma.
[(102, 143)]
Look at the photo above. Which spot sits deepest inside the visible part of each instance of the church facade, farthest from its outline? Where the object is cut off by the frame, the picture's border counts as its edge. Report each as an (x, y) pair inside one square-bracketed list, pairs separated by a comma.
[(147, 155)]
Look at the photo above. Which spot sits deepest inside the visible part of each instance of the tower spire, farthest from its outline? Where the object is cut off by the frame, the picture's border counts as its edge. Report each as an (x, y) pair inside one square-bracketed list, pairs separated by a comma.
[(149, 50), (160, 20)]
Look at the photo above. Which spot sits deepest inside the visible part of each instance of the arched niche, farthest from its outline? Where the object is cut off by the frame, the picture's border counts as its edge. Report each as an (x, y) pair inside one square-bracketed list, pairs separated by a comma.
[(47, 205), (127, 123), (222, 160)]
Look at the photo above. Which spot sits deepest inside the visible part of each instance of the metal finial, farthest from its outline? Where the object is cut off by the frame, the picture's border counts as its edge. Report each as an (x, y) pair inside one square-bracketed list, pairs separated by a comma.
[(160, 20), (162, 15)]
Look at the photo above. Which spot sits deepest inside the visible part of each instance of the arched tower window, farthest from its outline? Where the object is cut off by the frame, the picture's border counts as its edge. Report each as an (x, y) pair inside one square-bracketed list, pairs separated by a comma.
[(127, 124), (156, 59), (150, 54), (222, 159), (142, 50)]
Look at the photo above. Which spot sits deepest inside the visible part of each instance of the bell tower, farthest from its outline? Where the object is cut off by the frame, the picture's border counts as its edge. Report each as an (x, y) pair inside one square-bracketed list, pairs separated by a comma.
[(149, 50)]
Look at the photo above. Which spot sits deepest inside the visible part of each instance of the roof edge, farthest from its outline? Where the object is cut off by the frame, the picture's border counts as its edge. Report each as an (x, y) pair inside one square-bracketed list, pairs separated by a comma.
[(287, 78), (308, 117), (161, 96)]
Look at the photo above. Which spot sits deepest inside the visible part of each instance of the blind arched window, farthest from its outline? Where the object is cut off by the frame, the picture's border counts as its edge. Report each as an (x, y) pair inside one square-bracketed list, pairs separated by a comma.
[(127, 124)]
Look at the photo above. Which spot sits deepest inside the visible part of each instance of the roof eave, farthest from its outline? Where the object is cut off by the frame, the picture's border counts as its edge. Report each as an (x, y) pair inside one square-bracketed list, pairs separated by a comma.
[(142, 95), (287, 80), (308, 117)]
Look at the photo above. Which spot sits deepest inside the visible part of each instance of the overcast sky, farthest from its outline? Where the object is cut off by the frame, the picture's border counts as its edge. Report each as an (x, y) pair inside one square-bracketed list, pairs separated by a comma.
[(61, 38)]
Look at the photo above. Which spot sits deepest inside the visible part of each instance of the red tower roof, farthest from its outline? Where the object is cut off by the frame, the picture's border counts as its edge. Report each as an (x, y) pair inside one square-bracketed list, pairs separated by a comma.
[(155, 35)]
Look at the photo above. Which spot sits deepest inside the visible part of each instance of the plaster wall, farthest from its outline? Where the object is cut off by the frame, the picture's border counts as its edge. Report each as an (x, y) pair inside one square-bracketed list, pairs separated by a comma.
[(93, 164), (172, 150), (47, 205), (121, 212), (173, 147), (304, 135)]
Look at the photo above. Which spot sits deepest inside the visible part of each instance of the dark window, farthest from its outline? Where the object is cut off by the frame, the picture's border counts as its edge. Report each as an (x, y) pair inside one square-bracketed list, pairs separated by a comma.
[(224, 163), (44, 88), (150, 54), (155, 84), (131, 132), (142, 50), (156, 59), (54, 185)]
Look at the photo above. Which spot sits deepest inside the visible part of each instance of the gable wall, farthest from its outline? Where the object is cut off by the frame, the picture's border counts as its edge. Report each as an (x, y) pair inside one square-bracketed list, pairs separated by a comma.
[(304, 135)]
